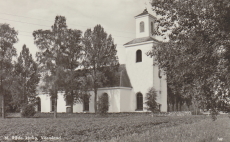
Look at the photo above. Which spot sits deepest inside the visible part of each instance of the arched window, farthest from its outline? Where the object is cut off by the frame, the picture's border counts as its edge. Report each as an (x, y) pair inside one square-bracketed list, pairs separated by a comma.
[(152, 32), (39, 103), (105, 99), (159, 105), (139, 101), (159, 73), (106, 95), (68, 109), (138, 56), (68, 100), (86, 103), (142, 26)]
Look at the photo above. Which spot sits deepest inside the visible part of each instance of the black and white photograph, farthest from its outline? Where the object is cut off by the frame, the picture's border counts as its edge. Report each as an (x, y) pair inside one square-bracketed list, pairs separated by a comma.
[(115, 70)]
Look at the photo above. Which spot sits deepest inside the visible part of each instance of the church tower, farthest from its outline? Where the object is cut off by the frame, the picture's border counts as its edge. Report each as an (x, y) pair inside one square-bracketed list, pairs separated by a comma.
[(142, 73), (144, 24)]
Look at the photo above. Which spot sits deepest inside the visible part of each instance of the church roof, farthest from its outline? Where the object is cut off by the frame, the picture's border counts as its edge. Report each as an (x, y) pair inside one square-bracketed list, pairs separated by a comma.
[(142, 39), (124, 78), (145, 12), (119, 79)]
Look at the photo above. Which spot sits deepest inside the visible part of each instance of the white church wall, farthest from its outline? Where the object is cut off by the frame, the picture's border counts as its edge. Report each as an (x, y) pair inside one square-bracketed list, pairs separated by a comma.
[(126, 104), (114, 98), (140, 73), (164, 106), (61, 107), (144, 75), (78, 107), (45, 102), (114, 101), (91, 103), (146, 27)]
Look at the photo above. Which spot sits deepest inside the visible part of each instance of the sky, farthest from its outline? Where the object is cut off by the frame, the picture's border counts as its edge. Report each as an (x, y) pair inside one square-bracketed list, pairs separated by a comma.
[(115, 16)]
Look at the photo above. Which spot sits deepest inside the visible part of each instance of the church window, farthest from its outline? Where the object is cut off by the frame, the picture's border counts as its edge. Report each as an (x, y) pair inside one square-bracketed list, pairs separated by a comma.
[(86, 103), (138, 56), (142, 27), (68, 109), (68, 100), (152, 32), (105, 100), (39, 104), (159, 106), (139, 101), (159, 73)]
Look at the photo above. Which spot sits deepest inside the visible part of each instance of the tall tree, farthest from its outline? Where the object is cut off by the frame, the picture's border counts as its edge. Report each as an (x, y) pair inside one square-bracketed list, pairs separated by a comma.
[(26, 74), (73, 54), (52, 44), (196, 56), (8, 37), (99, 56)]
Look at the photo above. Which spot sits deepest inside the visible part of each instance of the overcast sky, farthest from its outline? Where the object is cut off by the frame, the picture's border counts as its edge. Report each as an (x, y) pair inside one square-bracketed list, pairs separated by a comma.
[(116, 16)]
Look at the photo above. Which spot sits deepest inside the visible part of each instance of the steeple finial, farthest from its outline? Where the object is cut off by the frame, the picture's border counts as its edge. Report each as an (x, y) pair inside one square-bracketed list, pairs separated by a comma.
[(145, 10)]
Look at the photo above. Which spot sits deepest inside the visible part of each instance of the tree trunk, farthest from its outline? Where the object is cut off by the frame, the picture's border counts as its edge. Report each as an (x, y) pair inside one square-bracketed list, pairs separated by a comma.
[(55, 107), (95, 100), (181, 105), (196, 110), (71, 107), (3, 98), (176, 103), (3, 106), (188, 106), (172, 106)]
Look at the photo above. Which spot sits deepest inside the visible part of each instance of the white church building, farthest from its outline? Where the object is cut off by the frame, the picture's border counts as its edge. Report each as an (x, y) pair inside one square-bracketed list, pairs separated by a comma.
[(137, 76)]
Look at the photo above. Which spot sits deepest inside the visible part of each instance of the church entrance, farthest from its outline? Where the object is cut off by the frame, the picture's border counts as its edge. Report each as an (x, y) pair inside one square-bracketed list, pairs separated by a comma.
[(139, 101)]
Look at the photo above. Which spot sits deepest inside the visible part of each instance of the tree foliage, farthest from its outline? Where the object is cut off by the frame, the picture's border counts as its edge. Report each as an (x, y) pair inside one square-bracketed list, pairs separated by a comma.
[(103, 104), (59, 57), (28, 110), (27, 78), (151, 98), (8, 37), (196, 57), (99, 56), (73, 85), (52, 44)]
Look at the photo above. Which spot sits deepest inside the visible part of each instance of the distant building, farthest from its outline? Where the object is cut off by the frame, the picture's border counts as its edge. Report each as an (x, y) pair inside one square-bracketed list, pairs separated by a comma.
[(136, 77)]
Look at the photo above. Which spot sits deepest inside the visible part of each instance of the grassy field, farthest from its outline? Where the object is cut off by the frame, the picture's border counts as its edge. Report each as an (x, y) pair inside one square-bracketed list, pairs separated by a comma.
[(203, 131), (118, 127)]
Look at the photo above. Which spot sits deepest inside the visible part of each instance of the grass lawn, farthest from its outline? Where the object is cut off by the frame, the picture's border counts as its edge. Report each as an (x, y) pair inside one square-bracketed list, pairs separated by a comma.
[(203, 131), (118, 127)]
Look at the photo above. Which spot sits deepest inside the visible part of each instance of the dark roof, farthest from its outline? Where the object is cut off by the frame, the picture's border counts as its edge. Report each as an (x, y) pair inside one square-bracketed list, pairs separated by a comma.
[(142, 39), (145, 12), (119, 78), (124, 78)]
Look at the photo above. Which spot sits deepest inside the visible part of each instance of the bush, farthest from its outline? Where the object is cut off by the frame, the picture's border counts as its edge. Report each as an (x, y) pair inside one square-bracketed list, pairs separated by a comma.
[(151, 97), (103, 104), (28, 110)]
